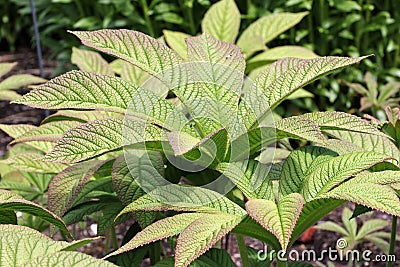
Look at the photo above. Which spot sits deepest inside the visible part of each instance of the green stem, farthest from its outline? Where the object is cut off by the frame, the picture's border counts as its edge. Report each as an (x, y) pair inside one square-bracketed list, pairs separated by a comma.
[(188, 14), (310, 29), (243, 251), (145, 8), (114, 238), (80, 8), (392, 240), (281, 263), (107, 245), (155, 253)]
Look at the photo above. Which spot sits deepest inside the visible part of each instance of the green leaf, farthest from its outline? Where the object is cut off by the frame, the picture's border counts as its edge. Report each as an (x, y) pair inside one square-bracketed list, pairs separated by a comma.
[(387, 177), (298, 165), (82, 90), (251, 228), (298, 127), (371, 226), (135, 47), (354, 141), (182, 198), (217, 68), (287, 75), (331, 173), (90, 61), (206, 48), (213, 148), (222, 21), (8, 217), (108, 214), (134, 74), (283, 52), (301, 93), (20, 80), (51, 132), (9, 95), (100, 184), (251, 177), (278, 219), (201, 235), (16, 130), (176, 40), (372, 195), (66, 185), (12, 202), (312, 212), (20, 245), (161, 229), (98, 137), (387, 91), (81, 115), (33, 162), (79, 212), (265, 29), (334, 120), (333, 227), (68, 259), (6, 67), (214, 257), (124, 183), (129, 72)]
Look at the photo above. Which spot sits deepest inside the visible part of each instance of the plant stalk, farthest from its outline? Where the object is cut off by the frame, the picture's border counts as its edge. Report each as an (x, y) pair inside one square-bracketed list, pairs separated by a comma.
[(114, 238), (155, 253), (243, 251), (392, 240), (281, 263), (145, 8)]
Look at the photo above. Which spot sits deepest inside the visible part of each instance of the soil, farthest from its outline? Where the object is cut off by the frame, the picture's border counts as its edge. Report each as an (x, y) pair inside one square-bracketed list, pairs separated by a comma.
[(15, 114)]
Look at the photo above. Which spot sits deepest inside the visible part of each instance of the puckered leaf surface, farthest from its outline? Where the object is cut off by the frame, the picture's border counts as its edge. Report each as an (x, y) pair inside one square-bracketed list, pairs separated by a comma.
[(202, 234), (23, 246), (287, 75), (12, 202), (82, 90), (95, 138), (161, 229), (185, 199), (66, 185), (279, 219), (135, 47)]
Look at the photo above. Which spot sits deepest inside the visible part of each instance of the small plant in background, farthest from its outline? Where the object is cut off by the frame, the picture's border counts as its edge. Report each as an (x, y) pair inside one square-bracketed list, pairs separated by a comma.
[(14, 82), (376, 98), (371, 230)]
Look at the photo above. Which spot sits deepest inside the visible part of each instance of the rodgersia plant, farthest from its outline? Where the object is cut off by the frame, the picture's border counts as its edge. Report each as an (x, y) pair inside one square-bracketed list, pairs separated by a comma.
[(184, 146), (14, 82)]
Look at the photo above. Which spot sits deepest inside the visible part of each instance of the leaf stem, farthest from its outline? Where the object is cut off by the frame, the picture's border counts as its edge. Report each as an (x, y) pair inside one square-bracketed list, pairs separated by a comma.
[(155, 253), (392, 240), (243, 251), (281, 263), (114, 238), (188, 14), (145, 8)]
